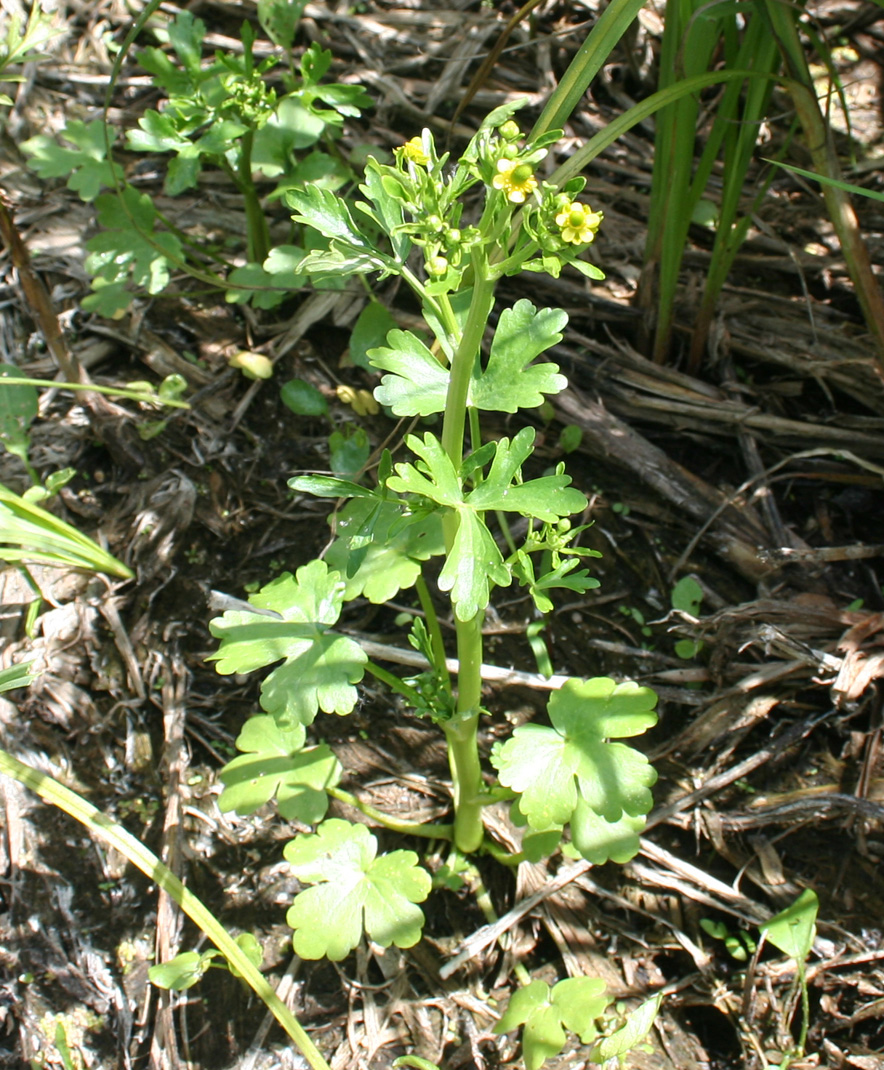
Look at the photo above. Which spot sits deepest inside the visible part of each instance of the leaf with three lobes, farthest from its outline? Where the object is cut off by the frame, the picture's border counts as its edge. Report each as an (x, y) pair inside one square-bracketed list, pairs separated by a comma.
[(319, 666), (562, 576), (510, 382), (388, 553), (274, 763), (548, 498), (545, 1013), (384, 209), (86, 164), (571, 773), (475, 561), (130, 243), (440, 483), (354, 891)]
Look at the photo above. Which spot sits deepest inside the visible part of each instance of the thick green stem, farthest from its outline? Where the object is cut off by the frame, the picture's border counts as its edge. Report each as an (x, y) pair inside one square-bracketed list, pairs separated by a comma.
[(258, 235), (463, 363), (462, 731)]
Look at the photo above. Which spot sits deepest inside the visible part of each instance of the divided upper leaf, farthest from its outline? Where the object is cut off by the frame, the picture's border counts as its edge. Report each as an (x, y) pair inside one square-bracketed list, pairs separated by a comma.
[(354, 891), (385, 553), (571, 773), (418, 383), (274, 763), (510, 382), (475, 561), (319, 666)]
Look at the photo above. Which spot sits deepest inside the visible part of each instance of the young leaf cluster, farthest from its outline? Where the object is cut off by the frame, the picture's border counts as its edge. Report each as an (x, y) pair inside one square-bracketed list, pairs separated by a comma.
[(226, 114)]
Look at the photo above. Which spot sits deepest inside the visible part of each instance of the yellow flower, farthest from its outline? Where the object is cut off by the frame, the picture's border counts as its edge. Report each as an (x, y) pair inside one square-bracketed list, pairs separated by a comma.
[(579, 223), (515, 179), (414, 150)]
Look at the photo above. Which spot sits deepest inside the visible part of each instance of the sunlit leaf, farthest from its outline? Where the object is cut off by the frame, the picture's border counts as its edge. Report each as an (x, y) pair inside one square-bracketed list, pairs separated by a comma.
[(354, 891)]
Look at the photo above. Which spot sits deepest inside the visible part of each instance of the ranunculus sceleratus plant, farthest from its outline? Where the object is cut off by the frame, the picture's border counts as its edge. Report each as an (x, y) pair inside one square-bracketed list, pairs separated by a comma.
[(442, 512)]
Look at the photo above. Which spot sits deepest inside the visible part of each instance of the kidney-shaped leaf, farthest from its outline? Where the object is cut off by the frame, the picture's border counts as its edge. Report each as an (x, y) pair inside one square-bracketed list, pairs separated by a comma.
[(274, 764), (353, 891), (318, 667), (572, 773)]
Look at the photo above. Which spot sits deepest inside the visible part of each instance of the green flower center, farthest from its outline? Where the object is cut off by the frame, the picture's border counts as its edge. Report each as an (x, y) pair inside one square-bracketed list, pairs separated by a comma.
[(521, 174)]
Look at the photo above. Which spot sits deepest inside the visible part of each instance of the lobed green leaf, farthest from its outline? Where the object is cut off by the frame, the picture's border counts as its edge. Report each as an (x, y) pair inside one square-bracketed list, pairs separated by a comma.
[(319, 666), (570, 773), (354, 891), (275, 764)]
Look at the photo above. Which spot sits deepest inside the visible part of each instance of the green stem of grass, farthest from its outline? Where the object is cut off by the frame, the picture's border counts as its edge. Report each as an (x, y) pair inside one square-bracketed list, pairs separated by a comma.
[(104, 828)]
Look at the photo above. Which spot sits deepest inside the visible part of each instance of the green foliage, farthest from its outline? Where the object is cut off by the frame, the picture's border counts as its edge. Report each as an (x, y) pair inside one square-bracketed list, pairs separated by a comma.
[(510, 382), (223, 115), (687, 596), (793, 930), (570, 773), (319, 666), (18, 409), (24, 44), (630, 1035), (740, 945), (378, 555), (275, 764), (475, 561), (546, 1013), (302, 398), (440, 500), (186, 969), (369, 331), (354, 890), (29, 533), (86, 164), (15, 676), (130, 247)]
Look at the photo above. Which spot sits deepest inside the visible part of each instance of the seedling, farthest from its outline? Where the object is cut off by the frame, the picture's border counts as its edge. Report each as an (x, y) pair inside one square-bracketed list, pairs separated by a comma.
[(793, 932), (740, 944), (687, 596)]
